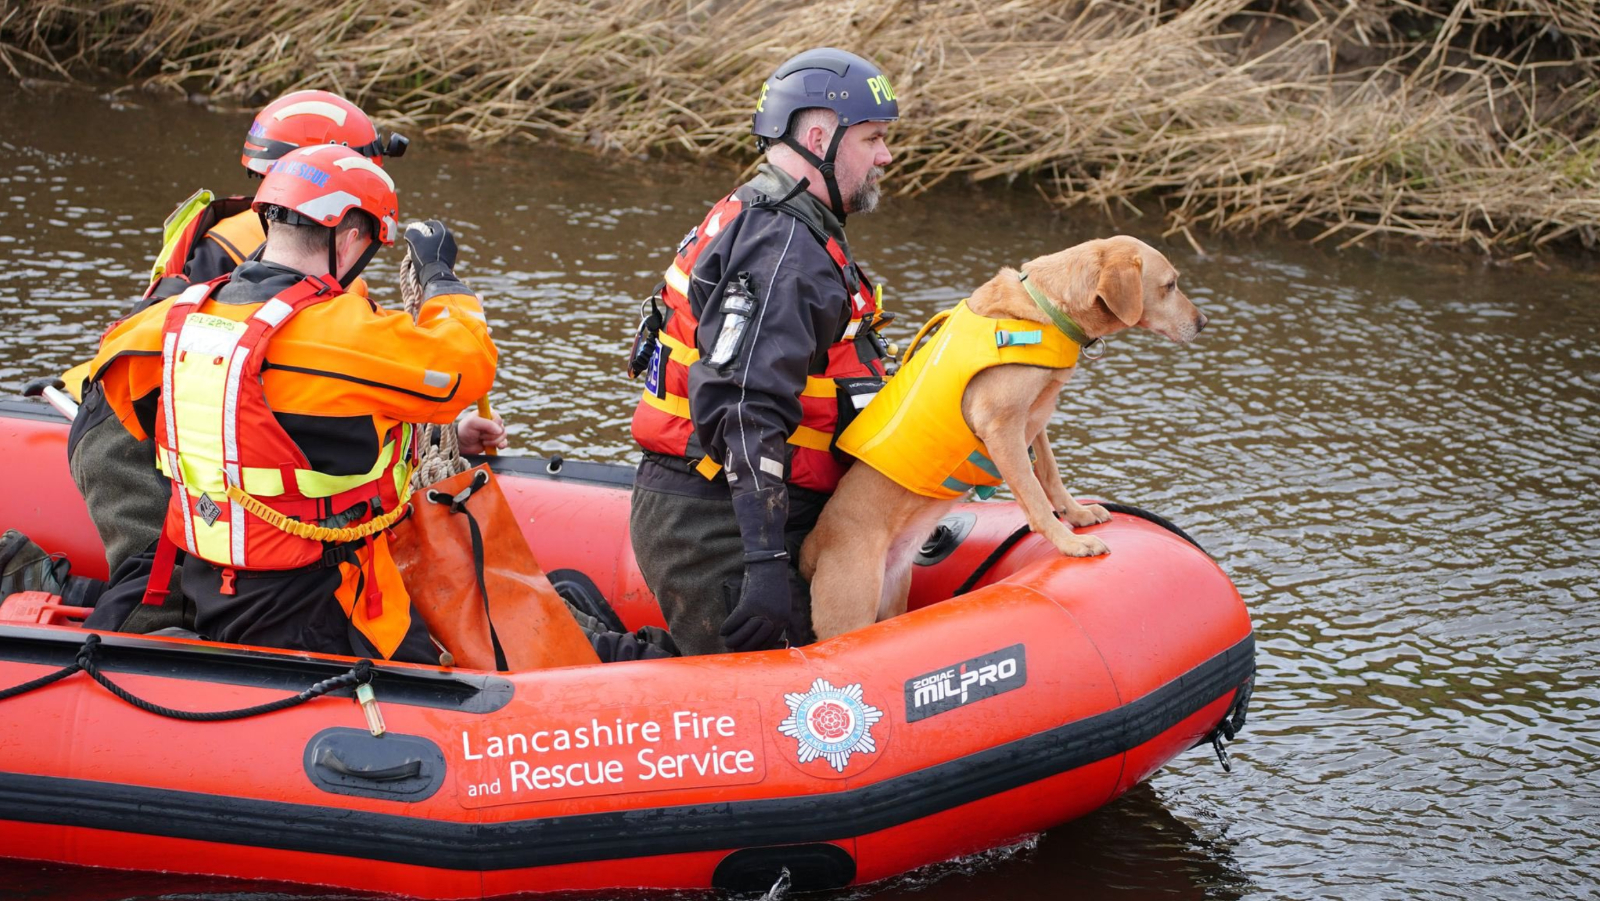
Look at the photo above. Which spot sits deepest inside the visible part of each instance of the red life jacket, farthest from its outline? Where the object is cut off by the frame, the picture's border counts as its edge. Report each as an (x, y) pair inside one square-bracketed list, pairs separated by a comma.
[(662, 422), (218, 221), (241, 487)]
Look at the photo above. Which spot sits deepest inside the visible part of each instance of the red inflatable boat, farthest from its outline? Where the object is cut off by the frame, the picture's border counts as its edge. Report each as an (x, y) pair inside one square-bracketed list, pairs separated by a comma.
[(1049, 689)]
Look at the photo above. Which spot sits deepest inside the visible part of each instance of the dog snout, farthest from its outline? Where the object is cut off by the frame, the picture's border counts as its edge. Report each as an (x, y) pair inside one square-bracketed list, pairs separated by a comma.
[(1200, 322)]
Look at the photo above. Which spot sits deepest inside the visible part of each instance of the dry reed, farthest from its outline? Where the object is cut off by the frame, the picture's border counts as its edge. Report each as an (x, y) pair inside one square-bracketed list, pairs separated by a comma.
[(1464, 122)]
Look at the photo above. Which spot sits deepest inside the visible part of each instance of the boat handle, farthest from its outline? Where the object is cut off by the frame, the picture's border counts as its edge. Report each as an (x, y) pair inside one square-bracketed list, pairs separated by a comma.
[(411, 769)]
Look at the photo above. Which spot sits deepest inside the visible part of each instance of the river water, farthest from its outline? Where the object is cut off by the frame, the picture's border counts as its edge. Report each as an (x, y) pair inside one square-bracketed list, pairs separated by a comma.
[(1393, 455)]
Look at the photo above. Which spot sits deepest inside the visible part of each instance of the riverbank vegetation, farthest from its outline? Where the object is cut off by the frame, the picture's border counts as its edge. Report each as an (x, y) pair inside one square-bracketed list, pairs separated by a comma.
[(1460, 122)]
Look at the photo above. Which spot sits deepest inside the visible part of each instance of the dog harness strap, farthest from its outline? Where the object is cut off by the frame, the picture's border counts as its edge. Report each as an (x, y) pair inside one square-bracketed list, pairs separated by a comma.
[(1004, 338)]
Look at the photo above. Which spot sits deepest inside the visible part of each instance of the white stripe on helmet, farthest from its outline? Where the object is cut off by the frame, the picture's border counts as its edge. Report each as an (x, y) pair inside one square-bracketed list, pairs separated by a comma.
[(329, 207), (361, 162), (311, 108)]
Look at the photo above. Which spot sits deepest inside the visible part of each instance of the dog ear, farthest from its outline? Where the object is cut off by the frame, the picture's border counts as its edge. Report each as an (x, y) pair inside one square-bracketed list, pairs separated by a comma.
[(1121, 284)]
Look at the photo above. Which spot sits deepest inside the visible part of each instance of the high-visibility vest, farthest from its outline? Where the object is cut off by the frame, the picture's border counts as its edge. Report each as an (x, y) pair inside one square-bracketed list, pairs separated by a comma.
[(913, 431), (662, 422), (244, 495)]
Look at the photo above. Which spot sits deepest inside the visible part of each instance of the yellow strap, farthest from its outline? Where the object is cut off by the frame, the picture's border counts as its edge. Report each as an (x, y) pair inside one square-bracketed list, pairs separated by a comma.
[(807, 437), (269, 482), (819, 387), (672, 404), (319, 484), (937, 320), (309, 531), (677, 405), (681, 352), (804, 436)]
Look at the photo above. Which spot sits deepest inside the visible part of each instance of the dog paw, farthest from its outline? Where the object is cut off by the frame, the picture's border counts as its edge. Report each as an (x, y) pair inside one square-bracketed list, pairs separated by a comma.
[(1087, 516), (1082, 546)]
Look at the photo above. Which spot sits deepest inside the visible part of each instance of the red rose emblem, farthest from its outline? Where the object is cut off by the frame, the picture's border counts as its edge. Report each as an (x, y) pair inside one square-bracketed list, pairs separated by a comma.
[(830, 721)]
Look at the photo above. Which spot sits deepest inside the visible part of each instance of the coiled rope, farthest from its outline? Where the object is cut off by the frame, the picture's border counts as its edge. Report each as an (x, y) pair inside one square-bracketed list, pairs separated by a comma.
[(359, 674)]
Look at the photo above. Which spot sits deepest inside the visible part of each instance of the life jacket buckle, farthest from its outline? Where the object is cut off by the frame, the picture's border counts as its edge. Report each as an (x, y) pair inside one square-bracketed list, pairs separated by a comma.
[(228, 576)]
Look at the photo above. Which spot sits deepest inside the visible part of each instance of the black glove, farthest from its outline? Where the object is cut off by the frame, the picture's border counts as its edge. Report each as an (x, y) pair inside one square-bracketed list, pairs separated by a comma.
[(765, 606), (433, 251), (648, 643)]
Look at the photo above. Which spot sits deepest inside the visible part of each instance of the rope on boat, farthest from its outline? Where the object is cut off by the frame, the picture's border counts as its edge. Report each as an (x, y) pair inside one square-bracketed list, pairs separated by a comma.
[(42, 681), (360, 674), (1232, 723), (1005, 546), (440, 449)]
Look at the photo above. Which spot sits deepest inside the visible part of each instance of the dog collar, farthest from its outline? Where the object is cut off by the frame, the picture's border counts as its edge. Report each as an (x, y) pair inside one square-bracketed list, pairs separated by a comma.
[(1062, 320)]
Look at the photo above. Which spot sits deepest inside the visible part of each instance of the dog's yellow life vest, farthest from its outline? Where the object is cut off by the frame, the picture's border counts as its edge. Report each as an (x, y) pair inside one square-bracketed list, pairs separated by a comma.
[(913, 431)]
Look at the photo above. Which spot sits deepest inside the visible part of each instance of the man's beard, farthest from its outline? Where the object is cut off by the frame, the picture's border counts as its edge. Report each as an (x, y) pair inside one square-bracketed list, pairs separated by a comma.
[(864, 199)]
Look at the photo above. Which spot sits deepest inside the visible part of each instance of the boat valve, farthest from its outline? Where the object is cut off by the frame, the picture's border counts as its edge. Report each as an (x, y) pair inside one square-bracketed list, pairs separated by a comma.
[(369, 706)]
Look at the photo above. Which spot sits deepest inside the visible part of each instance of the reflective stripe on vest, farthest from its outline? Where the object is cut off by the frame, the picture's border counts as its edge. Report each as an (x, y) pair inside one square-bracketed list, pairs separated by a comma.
[(216, 433), (663, 423), (913, 431)]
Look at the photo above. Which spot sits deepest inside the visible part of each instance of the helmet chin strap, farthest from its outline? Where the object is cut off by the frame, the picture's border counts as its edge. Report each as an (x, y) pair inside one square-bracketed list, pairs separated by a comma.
[(825, 166), (356, 269), (360, 265)]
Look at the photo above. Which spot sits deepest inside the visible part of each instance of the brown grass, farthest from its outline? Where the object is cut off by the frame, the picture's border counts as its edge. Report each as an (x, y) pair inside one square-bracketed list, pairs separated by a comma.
[(1464, 122)]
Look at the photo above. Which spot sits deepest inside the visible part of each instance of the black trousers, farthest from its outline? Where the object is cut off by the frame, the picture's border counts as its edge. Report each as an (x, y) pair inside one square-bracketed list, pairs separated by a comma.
[(294, 610), (692, 557)]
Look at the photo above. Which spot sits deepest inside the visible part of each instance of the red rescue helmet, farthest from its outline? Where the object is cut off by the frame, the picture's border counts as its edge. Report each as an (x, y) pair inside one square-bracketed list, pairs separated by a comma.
[(304, 118), (319, 185)]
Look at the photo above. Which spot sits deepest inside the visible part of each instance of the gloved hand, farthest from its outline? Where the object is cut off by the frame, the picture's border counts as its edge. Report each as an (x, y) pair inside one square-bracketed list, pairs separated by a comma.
[(764, 608), (433, 251), (648, 643)]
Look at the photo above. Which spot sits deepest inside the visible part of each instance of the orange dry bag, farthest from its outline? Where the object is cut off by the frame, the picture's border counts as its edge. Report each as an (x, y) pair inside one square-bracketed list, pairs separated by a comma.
[(475, 583)]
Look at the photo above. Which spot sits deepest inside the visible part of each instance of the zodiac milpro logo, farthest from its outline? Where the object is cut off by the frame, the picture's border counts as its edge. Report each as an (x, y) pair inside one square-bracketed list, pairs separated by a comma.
[(881, 91), (966, 682), (831, 723)]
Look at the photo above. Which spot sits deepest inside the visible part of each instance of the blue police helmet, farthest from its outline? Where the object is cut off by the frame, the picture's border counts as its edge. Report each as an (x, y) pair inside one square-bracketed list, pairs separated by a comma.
[(825, 78)]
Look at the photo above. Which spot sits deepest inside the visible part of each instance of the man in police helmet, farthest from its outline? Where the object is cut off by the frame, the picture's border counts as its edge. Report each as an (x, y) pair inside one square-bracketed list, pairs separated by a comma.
[(756, 350)]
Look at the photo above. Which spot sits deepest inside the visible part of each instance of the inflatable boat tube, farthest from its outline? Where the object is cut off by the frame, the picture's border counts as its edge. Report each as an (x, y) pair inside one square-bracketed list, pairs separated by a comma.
[(1046, 691)]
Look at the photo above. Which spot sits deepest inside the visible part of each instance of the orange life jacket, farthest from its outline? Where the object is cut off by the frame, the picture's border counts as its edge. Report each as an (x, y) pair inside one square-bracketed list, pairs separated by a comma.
[(662, 422)]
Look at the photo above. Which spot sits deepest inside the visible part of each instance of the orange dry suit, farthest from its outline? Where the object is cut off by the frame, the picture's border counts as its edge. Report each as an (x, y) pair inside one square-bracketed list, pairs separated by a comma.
[(913, 431), (284, 424)]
